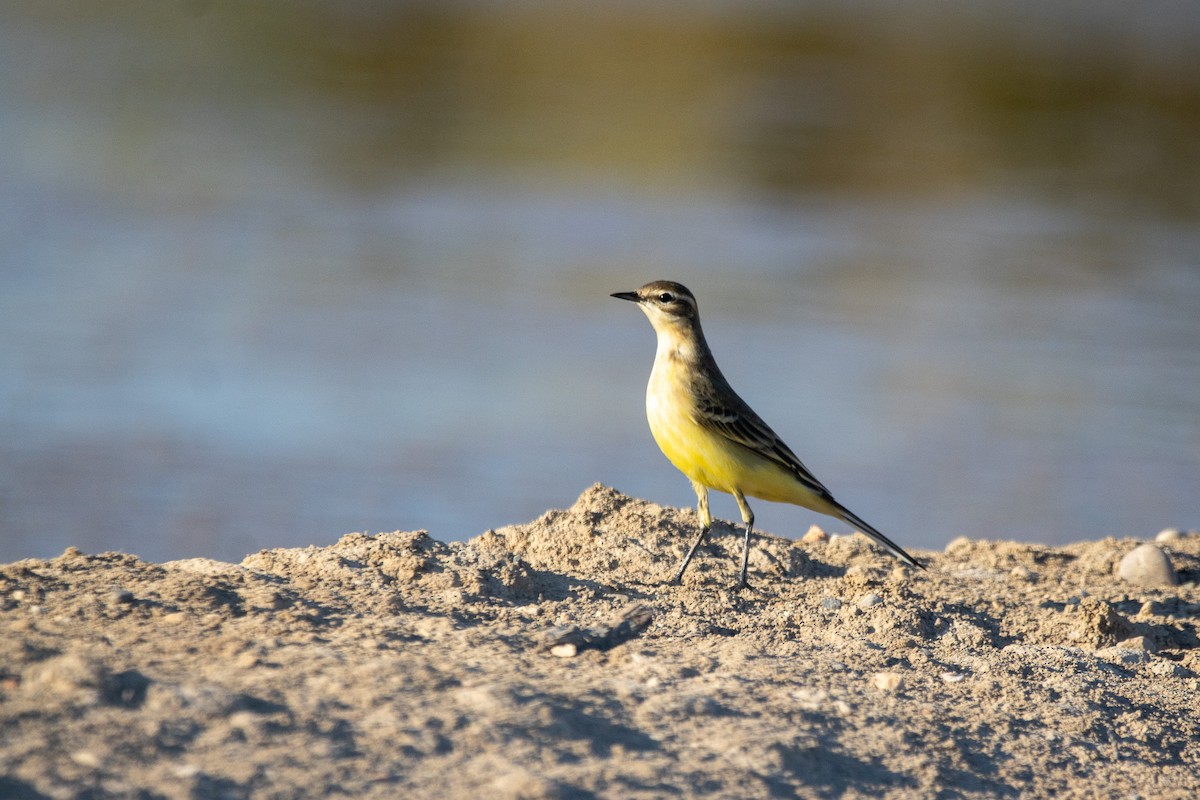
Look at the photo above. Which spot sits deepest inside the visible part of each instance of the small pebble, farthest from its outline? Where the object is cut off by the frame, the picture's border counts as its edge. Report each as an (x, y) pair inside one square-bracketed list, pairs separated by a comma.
[(1147, 565), (1168, 535), (1022, 573), (123, 596), (815, 536), (831, 604), (17, 594), (175, 618), (868, 600), (887, 681), (85, 758), (952, 677), (564, 651)]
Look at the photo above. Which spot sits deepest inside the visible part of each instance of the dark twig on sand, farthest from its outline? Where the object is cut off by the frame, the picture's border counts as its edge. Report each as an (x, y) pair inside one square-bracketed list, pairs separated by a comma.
[(569, 642)]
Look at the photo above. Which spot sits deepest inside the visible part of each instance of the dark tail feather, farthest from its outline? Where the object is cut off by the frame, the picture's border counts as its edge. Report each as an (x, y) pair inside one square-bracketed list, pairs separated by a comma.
[(882, 540)]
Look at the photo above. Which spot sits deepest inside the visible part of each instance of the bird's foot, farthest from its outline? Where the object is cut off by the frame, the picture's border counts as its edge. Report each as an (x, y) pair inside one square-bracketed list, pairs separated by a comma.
[(745, 586)]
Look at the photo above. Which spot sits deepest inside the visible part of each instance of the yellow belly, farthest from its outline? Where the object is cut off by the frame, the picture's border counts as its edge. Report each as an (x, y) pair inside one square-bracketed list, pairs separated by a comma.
[(709, 458)]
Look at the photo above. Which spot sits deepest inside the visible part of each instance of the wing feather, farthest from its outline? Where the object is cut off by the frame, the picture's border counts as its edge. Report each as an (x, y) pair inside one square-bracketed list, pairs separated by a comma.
[(746, 428), (742, 426)]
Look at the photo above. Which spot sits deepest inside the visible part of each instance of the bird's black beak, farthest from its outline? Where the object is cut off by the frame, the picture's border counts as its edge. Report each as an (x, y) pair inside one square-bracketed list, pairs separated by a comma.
[(626, 296)]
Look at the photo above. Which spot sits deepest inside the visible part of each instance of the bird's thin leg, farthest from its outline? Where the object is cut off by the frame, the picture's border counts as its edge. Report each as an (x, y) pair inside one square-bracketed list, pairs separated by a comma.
[(687, 559), (748, 519), (705, 524)]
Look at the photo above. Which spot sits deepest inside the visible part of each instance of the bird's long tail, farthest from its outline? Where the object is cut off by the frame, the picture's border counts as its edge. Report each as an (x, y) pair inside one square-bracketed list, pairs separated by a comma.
[(848, 516)]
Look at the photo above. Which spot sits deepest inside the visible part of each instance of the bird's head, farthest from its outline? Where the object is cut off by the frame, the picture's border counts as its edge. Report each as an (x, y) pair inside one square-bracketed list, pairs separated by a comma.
[(670, 306)]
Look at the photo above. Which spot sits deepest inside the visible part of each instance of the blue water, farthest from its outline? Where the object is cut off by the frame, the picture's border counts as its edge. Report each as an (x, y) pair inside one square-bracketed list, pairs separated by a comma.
[(251, 301)]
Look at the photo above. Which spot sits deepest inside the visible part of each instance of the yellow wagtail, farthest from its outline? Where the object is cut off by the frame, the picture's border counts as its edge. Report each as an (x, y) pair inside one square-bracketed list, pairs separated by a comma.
[(712, 436)]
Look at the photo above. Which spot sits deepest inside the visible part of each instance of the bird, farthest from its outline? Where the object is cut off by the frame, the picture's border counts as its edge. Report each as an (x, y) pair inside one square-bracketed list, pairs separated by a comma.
[(713, 436)]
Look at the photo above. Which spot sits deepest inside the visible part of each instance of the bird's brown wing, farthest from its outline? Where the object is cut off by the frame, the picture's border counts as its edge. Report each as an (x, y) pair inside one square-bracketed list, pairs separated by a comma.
[(743, 426)]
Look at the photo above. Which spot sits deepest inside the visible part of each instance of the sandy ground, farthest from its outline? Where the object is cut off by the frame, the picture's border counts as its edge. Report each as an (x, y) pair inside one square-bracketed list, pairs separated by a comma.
[(396, 665)]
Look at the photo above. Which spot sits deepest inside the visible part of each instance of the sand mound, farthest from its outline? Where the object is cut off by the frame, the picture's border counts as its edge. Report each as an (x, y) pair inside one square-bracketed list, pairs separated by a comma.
[(397, 665)]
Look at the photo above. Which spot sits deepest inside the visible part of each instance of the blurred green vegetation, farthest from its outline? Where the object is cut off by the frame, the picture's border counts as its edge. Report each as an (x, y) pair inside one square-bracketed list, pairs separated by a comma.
[(1081, 101)]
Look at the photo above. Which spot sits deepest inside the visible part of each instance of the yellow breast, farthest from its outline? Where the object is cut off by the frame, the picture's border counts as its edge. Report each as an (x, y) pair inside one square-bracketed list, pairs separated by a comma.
[(700, 454), (706, 456), (668, 410)]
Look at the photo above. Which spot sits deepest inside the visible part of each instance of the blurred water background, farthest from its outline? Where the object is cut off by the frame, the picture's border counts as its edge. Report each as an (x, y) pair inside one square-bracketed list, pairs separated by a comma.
[(274, 271)]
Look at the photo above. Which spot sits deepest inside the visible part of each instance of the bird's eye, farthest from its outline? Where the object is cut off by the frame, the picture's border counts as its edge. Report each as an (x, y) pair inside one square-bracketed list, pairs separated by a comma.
[(666, 297)]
